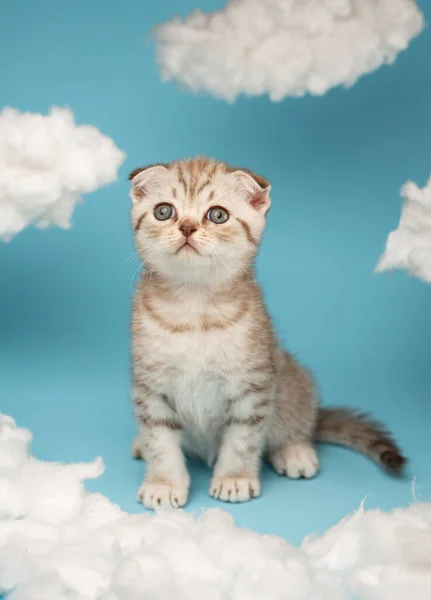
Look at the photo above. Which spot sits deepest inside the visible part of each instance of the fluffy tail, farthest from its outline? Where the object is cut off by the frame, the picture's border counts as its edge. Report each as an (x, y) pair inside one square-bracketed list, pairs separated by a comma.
[(361, 433)]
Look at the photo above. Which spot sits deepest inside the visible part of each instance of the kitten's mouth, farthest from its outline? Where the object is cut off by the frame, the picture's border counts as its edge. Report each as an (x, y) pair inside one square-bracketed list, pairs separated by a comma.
[(187, 247)]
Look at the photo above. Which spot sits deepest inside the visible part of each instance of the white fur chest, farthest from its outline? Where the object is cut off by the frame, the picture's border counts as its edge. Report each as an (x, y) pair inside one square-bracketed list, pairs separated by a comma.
[(197, 370)]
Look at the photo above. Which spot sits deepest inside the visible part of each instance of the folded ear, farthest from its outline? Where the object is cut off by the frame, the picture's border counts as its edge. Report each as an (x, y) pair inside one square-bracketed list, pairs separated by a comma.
[(255, 187), (142, 177)]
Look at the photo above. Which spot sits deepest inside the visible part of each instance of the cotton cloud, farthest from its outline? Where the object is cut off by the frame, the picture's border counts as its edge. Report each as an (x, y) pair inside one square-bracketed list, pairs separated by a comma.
[(284, 47), (46, 164), (59, 541), (409, 246)]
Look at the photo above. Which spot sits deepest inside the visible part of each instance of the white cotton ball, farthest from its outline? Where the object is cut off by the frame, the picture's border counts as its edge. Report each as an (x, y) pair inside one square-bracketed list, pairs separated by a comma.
[(14, 454), (422, 514), (352, 543), (415, 547), (273, 580), (46, 164), (14, 449), (52, 492), (189, 589), (81, 567), (11, 504), (47, 587), (339, 547), (393, 582), (284, 47), (20, 541), (67, 544), (215, 519), (186, 558), (96, 512), (409, 246), (131, 534), (144, 577)]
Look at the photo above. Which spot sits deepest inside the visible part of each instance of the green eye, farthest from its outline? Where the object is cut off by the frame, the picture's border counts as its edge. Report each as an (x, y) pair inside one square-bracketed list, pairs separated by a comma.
[(163, 212), (218, 215)]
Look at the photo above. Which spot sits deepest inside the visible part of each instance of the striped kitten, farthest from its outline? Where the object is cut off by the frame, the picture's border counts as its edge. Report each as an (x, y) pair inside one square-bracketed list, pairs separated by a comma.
[(210, 378)]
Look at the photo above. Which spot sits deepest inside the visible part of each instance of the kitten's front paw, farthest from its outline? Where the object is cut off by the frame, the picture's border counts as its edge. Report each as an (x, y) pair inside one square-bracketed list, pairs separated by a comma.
[(296, 461), (163, 495), (234, 489)]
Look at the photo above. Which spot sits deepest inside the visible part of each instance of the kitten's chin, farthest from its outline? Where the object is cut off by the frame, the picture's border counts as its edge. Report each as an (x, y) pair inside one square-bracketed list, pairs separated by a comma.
[(187, 249), (189, 267)]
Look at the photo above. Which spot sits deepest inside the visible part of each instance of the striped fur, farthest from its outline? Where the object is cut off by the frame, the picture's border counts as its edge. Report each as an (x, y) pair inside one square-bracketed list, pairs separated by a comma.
[(361, 433), (209, 376)]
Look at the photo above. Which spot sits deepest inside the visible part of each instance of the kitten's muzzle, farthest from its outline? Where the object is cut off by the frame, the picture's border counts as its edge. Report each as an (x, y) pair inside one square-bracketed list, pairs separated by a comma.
[(187, 246), (188, 227)]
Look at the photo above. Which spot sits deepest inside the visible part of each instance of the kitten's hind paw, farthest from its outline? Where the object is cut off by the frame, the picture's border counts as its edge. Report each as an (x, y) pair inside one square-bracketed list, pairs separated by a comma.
[(163, 495), (137, 450), (234, 489), (296, 461)]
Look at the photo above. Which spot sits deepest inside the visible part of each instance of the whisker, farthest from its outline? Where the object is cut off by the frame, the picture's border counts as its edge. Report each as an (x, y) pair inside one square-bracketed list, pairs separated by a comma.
[(214, 254), (131, 257), (158, 249), (137, 272)]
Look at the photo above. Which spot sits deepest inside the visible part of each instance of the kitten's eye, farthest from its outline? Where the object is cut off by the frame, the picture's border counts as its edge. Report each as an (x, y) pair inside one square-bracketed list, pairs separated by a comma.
[(163, 212), (218, 215)]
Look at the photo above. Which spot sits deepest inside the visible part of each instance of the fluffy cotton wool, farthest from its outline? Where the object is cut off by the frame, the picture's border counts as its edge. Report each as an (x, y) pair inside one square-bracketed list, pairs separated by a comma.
[(284, 47), (59, 542), (46, 164), (409, 246)]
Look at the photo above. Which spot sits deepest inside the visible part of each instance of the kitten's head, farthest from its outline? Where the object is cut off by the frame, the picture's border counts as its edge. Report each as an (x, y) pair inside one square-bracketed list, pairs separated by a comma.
[(198, 220)]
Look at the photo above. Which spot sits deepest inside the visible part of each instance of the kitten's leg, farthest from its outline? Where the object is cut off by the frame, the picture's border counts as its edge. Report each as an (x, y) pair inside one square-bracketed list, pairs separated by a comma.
[(167, 482), (236, 473), (296, 460), (137, 449), (291, 449)]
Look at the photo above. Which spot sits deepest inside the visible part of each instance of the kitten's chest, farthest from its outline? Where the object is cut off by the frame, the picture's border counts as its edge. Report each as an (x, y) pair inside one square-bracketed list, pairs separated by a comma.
[(195, 371), (198, 356), (195, 377)]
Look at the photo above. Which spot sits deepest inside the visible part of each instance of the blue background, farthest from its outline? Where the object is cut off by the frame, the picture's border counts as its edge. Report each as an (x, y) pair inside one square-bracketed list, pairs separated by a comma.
[(336, 164)]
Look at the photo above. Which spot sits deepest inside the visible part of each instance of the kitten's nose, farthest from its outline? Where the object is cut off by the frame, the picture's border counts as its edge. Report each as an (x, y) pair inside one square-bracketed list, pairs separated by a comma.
[(188, 226)]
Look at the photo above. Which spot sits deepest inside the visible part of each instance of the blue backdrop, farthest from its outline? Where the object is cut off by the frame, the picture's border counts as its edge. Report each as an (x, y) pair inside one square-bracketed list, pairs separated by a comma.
[(336, 164)]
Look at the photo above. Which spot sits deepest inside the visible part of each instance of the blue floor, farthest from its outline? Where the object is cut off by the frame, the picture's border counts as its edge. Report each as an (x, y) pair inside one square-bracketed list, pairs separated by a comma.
[(336, 164)]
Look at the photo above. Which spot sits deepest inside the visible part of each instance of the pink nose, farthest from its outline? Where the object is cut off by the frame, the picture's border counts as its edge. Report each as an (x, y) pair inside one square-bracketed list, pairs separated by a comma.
[(188, 227)]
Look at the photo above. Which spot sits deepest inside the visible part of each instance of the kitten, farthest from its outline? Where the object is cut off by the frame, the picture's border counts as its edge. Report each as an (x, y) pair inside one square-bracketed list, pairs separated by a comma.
[(210, 378)]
